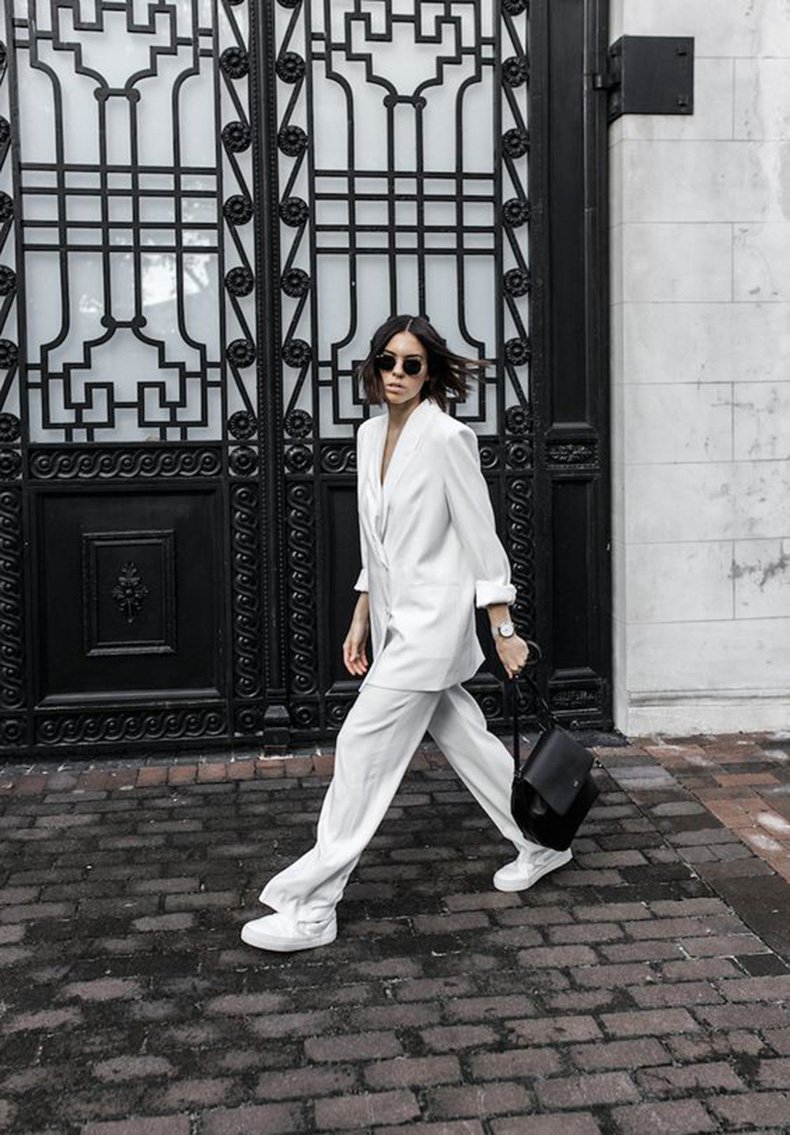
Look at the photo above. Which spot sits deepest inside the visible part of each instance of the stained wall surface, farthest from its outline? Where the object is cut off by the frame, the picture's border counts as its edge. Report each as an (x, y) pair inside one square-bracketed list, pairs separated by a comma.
[(700, 323)]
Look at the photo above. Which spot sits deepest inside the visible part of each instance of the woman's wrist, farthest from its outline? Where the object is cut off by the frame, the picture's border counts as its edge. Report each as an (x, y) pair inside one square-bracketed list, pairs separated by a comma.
[(499, 613)]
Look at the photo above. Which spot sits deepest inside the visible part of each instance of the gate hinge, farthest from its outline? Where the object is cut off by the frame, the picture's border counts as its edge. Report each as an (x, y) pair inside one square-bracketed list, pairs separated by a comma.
[(604, 81), (648, 74)]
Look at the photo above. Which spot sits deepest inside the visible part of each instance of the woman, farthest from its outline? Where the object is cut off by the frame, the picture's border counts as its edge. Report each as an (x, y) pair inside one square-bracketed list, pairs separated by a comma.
[(430, 556)]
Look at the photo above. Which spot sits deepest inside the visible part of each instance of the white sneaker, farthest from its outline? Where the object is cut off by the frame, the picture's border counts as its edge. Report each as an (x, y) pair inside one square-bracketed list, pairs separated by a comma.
[(529, 867), (278, 932)]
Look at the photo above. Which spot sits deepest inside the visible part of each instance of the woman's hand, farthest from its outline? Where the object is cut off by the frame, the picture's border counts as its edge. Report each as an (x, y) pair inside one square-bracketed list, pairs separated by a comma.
[(513, 653), (354, 655)]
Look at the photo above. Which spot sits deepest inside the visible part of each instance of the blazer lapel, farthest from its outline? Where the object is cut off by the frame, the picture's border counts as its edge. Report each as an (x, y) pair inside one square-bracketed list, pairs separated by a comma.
[(412, 435)]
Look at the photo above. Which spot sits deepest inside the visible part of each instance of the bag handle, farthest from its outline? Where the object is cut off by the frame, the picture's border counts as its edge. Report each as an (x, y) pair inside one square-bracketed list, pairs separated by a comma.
[(546, 716), (538, 699)]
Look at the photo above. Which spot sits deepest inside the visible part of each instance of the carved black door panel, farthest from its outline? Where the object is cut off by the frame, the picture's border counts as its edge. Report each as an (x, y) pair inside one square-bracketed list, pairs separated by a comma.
[(205, 209)]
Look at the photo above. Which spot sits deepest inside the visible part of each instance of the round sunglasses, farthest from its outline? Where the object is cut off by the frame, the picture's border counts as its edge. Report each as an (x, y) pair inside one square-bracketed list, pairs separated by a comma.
[(410, 366)]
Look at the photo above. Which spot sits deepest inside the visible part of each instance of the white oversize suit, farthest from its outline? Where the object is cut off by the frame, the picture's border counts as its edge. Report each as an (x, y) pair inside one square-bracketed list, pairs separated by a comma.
[(430, 556)]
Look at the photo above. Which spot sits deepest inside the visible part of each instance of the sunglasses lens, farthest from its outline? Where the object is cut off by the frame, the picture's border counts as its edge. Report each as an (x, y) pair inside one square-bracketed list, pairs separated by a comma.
[(410, 366)]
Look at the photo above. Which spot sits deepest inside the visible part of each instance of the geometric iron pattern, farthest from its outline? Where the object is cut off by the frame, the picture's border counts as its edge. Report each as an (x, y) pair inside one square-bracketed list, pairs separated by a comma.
[(195, 246), (402, 131)]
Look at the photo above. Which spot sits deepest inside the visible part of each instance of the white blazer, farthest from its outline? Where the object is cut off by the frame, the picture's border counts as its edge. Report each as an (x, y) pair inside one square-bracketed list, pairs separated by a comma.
[(430, 550)]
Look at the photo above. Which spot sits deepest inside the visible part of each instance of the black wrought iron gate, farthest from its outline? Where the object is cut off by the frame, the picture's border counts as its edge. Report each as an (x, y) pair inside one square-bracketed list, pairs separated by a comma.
[(206, 206)]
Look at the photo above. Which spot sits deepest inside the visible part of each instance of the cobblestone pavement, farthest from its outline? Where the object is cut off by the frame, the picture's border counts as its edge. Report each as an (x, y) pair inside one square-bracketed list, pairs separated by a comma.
[(642, 990)]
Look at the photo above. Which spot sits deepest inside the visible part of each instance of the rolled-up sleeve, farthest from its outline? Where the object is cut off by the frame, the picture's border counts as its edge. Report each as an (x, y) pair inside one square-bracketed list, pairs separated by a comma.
[(473, 516), (362, 578)]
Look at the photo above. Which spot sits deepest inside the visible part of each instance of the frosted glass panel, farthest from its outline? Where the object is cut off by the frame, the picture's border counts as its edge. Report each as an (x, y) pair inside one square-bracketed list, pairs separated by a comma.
[(416, 122), (132, 334)]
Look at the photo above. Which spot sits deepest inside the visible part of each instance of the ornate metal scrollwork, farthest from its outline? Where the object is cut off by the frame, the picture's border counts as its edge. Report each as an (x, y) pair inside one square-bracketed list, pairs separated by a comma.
[(239, 281), (518, 352), (516, 212), (290, 67), (515, 142), (124, 463), (10, 464), (246, 586), (7, 280), (515, 70), (12, 672), (517, 281), (241, 352), (131, 725), (129, 591), (242, 425), (238, 209), (10, 427), (297, 353), (236, 136), (243, 461), (295, 282), (298, 423), (292, 140), (9, 353), (301, 559), (294, 211), (235, 62)]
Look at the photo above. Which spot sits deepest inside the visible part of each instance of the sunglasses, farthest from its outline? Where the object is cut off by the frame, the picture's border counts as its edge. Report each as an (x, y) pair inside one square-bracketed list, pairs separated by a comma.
[(410, 366)]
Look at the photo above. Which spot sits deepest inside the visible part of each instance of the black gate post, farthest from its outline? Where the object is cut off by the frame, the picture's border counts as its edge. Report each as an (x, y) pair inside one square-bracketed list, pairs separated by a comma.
[(276, 719), (570, 377)]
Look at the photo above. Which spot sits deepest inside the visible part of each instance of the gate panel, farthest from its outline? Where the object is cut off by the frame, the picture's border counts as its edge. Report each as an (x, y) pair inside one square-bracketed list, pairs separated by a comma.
[(205, 209), (402, 138), (128, 390)]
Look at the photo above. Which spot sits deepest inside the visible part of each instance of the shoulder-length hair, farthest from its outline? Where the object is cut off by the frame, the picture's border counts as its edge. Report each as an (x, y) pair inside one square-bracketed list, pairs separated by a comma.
[(448, 373)]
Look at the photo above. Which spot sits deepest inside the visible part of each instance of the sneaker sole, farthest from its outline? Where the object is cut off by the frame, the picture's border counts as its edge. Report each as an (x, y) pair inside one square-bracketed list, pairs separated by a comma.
[(517, 885), (283, 945)]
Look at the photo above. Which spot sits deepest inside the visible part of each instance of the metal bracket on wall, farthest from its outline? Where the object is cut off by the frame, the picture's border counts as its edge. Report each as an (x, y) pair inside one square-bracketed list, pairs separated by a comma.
[(649, 75)]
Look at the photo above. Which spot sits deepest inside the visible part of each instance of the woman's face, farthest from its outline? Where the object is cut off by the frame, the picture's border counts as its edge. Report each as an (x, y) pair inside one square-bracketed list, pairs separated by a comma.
[(401, 355)]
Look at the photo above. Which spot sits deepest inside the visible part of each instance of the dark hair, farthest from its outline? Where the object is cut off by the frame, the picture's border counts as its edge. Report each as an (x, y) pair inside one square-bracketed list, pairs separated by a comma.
[(448, 373)]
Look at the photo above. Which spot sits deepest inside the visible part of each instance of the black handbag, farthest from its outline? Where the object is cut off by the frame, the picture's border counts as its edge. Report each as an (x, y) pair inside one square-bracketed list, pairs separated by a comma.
[(554, 789)]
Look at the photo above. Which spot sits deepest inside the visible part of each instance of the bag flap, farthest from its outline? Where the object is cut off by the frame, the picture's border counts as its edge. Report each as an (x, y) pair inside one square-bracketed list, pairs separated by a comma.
[(557, 768)]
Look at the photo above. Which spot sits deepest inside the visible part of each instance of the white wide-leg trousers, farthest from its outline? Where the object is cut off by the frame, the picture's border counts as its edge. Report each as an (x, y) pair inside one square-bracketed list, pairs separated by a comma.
[(372, 753)]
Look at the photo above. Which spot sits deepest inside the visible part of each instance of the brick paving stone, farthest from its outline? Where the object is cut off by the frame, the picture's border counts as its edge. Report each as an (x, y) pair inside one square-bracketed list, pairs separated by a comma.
[(681, 1117), (717, 1076), (273, 1119), (648, 1022), (482, 1008), (760, 1108), (442, 1127), (405, 1071), (665, 996), (628, 993), (579, 1123), (556, 1030), (587, 1090), (132, 1067), (143, 1125), (619, 1054), (526, 1062), (479, 1100), (779, 1039), (366, 1110), (306, 1083), (353, 1046), (450, 1038), (774, 1073)]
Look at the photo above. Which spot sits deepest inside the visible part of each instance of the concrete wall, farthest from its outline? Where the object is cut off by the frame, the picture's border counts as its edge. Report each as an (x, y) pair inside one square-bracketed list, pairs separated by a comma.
[(700, 321)]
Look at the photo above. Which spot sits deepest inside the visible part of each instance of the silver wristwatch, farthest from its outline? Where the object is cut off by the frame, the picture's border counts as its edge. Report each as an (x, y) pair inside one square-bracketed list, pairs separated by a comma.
[(504, 629)]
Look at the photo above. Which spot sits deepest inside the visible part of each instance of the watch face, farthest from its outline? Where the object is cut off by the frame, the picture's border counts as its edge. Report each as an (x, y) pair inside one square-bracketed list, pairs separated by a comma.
[(506, 629)]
